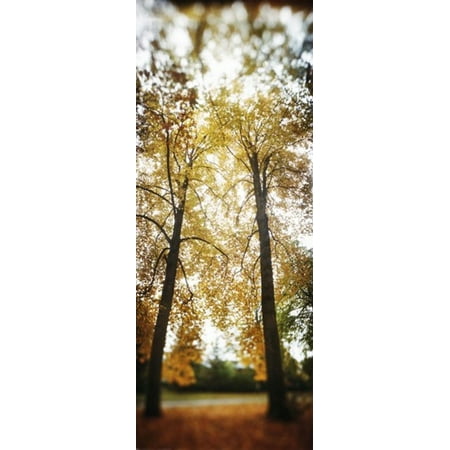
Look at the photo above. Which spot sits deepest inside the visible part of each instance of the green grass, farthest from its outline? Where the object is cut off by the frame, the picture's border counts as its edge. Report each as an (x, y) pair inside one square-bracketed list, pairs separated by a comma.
[(173, 395)]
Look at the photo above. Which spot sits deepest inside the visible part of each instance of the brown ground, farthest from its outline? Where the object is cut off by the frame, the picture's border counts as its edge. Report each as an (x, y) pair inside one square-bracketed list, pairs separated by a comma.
[(225, 427)]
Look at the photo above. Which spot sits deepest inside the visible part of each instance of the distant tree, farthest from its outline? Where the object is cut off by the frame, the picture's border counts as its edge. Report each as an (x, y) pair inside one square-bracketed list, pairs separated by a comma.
[(223, 376)]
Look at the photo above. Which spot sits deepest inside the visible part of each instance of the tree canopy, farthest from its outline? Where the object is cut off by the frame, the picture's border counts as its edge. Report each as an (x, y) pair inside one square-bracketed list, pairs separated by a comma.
[(223, 185)]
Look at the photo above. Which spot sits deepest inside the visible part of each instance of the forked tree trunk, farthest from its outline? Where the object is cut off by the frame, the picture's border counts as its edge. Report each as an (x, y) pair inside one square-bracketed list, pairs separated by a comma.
[(275, 377), (153, 398)]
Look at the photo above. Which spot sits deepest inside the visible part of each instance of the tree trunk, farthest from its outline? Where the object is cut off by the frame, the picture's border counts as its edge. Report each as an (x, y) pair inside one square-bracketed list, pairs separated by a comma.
[(275, 378), (153, 399)]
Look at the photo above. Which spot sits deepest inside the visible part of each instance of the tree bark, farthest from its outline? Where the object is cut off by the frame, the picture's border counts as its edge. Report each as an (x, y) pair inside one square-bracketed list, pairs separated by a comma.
[(275, 377), (153, 398)]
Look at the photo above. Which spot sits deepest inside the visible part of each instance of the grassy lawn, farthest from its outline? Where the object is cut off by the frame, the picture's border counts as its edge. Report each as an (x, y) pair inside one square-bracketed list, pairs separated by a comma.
[(173, 395), (303, 399), (168, 395)]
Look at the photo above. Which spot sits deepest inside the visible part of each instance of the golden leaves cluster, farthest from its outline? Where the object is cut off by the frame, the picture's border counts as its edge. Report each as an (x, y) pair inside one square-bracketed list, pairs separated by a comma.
[(187, 349)]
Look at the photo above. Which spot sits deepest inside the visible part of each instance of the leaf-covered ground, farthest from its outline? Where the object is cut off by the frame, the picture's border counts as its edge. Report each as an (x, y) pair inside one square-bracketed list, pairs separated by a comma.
[(224, 427)]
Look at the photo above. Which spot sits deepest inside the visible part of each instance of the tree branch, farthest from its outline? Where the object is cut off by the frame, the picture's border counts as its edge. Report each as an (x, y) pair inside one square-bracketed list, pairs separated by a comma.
[(239, 159), (196, 238), (247, 245), (151, 191), (247, 198), (191, 294), (199, 202), (169, 176), (253, 270), (241, 180), (279, 242), (266, 162), (146, 290), (143, 216)]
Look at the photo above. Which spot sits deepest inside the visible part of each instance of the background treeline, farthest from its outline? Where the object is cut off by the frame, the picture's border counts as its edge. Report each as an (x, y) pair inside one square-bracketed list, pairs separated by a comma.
[(218, 375)]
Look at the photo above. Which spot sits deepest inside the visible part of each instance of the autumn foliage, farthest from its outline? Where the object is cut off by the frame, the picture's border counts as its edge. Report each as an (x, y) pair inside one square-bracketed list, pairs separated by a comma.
[(223, 187), (225, 427)]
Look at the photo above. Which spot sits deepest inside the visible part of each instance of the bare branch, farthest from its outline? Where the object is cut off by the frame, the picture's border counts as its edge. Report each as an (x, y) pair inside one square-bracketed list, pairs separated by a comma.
[(266, 162), (199, 202), (239, 159), (143, 216), (156, 113), (196, 238), (165, 220), (279, 242), (147, 289), (282, 186), (151, 191), (247, 198), (209, 167), (249, 238), (241, 180), (162, 188), (191, 294), (254, 268), (169, 175), (209, 188), (176, 160)]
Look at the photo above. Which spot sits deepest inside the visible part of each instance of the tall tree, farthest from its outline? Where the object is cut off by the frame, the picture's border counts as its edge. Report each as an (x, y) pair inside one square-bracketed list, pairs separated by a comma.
[(264, 135), (171, 160)]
